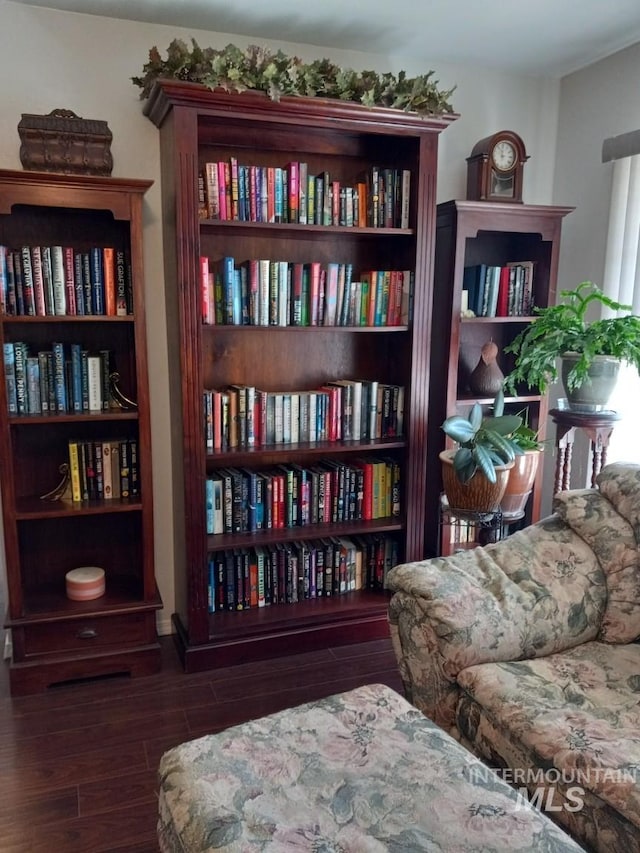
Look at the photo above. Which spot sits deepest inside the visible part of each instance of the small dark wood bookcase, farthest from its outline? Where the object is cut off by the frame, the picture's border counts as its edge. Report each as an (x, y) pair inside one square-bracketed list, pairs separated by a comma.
[(470, 234), (345, 140), (54, 638)]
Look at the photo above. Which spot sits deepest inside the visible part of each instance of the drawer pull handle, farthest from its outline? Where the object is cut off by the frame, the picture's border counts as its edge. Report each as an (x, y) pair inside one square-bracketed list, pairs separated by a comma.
[(87, 634)]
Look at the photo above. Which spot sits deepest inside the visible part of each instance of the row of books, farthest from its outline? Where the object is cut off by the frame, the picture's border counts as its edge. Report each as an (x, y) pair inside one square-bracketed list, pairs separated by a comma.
[(104, 470), (342, 410), (282, 293), (499, 291), (39, 281), (246, 578), (67, 379), (241, 500), (229, 190)]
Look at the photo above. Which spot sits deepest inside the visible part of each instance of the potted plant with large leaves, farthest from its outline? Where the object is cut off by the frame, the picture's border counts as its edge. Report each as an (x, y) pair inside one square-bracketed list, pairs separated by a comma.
[(590, 351), (475, 474)]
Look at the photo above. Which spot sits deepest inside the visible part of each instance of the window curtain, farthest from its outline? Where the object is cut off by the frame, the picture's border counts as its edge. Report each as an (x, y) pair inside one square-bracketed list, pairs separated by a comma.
[(621, 282)]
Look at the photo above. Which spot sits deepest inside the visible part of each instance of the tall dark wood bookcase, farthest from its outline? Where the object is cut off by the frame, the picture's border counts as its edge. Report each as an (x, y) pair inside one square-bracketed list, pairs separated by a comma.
[(198, 126), (470, 233), (54, 638)]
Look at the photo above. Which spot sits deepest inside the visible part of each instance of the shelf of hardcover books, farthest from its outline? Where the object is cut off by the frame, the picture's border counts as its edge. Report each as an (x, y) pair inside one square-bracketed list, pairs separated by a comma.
[(297, 276)]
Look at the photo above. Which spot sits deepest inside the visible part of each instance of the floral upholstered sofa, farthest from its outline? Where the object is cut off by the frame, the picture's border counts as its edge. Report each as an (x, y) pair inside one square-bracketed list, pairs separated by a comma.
[(525, 650)]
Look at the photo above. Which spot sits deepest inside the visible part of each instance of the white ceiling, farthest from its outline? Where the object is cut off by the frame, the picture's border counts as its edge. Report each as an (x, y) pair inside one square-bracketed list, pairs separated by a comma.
[(548, 37)]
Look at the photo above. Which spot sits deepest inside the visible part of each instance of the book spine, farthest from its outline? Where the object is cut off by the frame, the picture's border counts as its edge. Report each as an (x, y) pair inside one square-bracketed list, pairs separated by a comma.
[(76, 375), (109, 274), (27, 282), (125, 472), (69, 279), (86, 279), (74, 472), (79, 284), (107, 472), (134, 468), (59, 286), (10, 378), (59, 378), (94, 375), (38, 281), (121, 283), (4, 285), (99, 469), (97, 281)]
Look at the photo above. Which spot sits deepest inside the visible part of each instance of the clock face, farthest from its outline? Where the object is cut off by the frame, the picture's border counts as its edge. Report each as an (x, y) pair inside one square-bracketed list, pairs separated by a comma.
[(503, 156)]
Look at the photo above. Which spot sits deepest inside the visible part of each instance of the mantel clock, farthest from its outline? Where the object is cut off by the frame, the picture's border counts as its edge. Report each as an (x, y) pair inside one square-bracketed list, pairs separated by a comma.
[(495, 166)]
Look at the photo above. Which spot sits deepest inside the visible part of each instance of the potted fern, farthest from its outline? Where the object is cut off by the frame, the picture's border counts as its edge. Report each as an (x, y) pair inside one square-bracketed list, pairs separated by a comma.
[(475, 474), (590, 351)]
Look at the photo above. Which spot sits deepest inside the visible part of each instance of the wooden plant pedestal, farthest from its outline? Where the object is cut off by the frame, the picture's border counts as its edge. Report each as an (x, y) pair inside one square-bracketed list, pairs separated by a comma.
[(598, 427)]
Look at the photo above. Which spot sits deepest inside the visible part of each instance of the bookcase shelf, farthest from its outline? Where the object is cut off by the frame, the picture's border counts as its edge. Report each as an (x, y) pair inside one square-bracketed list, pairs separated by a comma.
[(471, 233), (55, 639), (346, 141)]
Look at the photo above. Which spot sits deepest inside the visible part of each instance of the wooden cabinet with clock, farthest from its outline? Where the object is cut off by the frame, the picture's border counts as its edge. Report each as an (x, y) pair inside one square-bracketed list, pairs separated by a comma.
[(340, 144), (50, 404), (481, 234)]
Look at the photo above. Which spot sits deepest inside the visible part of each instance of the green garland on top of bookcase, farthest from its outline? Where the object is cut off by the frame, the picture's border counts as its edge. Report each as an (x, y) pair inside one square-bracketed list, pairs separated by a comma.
[(277, 74)]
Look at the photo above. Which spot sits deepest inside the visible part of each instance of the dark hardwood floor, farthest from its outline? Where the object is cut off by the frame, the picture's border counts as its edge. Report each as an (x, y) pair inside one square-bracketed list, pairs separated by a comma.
[(78, 762)]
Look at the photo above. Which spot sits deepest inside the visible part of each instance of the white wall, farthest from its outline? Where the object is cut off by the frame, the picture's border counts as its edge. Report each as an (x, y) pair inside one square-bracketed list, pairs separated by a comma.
[(51, 59), (597, 102)]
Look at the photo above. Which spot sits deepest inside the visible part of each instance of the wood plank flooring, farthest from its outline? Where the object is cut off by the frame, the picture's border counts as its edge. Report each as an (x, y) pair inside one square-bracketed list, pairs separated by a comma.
[(78, 762)]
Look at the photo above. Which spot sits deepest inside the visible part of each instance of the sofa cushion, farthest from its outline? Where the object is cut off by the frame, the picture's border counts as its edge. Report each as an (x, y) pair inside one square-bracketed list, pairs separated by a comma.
[(593, 516), (577, 712), (540, 591)]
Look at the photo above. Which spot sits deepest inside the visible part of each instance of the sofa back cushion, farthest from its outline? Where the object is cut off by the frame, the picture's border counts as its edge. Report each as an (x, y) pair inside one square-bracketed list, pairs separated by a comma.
[(608, 520), (539, 591)]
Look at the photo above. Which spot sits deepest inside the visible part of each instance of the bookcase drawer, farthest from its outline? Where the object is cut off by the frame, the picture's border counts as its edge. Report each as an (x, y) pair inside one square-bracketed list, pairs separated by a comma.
[(95, 632)]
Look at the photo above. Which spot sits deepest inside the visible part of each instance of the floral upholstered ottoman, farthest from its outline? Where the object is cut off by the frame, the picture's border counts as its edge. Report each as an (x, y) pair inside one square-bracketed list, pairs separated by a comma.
[(360, 771)]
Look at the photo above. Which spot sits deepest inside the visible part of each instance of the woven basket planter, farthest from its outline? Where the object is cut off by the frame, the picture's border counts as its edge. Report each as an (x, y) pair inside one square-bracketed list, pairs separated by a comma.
[(478, 495)]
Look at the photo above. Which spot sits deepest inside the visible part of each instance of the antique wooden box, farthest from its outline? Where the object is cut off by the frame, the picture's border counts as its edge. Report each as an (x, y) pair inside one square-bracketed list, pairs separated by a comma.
[(63, 142)]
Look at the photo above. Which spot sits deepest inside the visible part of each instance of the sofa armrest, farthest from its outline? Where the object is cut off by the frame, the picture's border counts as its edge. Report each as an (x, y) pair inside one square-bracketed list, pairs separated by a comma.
[(540, 591), (426, 684)]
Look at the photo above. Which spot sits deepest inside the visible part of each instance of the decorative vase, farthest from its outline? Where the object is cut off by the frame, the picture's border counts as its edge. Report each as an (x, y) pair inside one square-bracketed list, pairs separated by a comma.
[(520, 483), (487, 378), (593, 396), (478, 495)]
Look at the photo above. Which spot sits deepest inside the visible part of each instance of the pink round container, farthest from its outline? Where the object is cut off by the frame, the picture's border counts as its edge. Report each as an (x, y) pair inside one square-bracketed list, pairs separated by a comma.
[(85, 583)]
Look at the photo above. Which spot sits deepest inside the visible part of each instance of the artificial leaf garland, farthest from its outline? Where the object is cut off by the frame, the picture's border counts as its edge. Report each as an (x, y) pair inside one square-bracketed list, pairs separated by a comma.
[(277, 74)]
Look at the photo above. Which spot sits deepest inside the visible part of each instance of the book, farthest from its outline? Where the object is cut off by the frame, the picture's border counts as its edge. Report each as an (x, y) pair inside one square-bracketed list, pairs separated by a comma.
[(69, 280), (78, 276), (58, 279), (94, 375), (121, 283), (38, 281), (125, 470), (74, 471), (10, 378), (96, 278), (59, 380), (212, 191), (474, 282), (107, 471), (109, 273), (3, 280), (27, 282)]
